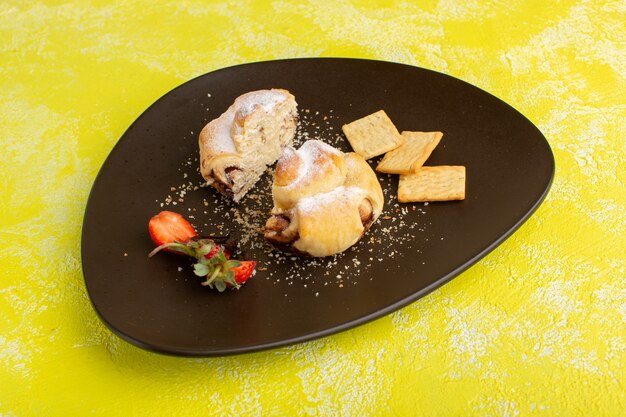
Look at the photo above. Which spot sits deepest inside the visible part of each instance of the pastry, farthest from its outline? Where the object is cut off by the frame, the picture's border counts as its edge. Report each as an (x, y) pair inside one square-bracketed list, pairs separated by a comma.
[(324, 200), (236, 147)]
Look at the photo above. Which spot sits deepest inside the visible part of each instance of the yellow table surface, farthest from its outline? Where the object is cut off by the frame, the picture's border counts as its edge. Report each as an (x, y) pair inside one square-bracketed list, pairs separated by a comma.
[(538, 327)]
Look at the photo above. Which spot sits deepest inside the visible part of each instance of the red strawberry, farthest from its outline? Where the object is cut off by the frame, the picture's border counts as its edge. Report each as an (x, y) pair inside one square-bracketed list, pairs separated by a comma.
[(171, 232), (215, 250), (244, 271), (167, 227)]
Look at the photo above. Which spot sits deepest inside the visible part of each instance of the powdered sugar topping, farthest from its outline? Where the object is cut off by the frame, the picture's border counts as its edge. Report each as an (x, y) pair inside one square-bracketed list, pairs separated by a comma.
[(267, 99), (309, 153), (337, 196), (220, 129)]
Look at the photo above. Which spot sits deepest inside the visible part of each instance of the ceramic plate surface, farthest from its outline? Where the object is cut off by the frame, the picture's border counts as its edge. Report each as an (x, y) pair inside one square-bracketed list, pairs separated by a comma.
[(159, 304)]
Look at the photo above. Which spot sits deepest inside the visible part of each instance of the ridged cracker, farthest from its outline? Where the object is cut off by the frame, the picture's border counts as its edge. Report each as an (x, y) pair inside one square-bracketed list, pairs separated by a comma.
[(373, 135), (411, 155), (439, 183)]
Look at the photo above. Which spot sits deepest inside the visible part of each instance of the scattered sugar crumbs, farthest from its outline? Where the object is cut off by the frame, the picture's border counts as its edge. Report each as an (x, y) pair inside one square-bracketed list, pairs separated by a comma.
[(217, 215)]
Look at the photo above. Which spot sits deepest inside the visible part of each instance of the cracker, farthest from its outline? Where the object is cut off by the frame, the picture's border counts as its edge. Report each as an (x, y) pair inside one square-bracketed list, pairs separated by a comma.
[(411, 155), (439, 183), (373, 135)]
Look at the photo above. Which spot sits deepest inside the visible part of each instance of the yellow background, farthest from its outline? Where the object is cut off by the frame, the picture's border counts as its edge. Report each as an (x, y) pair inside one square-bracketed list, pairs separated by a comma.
[(538, 327)]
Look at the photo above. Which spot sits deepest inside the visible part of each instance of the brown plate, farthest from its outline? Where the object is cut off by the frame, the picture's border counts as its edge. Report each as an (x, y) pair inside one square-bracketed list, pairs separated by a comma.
[(158, 303)]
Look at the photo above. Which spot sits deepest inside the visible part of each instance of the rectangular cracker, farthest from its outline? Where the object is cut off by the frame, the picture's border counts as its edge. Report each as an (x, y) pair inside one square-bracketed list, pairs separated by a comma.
[(373, 135), (411, 155), (440, 183)]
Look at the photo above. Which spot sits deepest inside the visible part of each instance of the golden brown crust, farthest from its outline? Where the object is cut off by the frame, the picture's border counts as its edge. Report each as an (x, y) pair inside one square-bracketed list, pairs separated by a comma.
[(314, 168), (287, 171), (329, 204)]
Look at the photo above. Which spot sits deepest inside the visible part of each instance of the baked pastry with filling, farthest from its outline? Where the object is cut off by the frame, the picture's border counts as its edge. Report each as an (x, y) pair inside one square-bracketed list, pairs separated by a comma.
[(324, 200), (236, 147)]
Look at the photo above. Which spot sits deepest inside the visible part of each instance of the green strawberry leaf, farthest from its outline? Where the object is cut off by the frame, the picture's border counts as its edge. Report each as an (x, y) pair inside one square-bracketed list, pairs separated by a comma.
[(230, 279), (219, 256), (205, 249), (231, 264), (220, 285), (200, 269)]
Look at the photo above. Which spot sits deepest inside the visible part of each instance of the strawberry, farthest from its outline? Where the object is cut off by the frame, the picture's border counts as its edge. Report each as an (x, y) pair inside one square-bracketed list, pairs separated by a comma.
[(244, 271), (215, 250), (171, 232), (168, 227), (222, 273)]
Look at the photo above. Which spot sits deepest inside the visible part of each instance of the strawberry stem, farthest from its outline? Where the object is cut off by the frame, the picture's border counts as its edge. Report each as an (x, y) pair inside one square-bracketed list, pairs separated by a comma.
[(213, 276), (175, 246), (212, 261)]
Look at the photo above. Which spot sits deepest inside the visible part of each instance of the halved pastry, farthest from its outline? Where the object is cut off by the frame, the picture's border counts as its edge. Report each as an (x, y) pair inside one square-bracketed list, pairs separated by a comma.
[(324, 200), (236, 147)]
